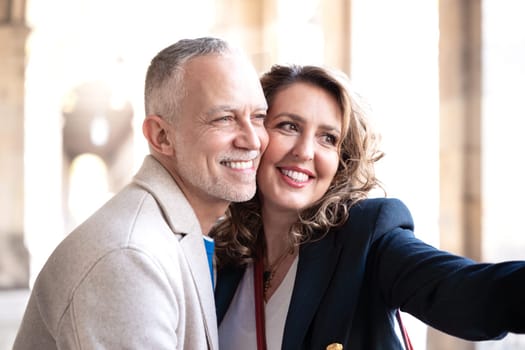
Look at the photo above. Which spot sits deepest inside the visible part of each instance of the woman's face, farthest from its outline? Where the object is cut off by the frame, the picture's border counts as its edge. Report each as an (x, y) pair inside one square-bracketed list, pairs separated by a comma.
[(304, 128)]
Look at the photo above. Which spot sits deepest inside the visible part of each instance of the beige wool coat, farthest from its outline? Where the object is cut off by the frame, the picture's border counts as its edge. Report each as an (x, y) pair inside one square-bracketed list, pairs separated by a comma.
[(133, 276)]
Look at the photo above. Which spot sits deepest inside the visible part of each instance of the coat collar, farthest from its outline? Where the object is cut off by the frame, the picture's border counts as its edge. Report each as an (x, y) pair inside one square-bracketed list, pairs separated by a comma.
[(179, 214), (181, 219)]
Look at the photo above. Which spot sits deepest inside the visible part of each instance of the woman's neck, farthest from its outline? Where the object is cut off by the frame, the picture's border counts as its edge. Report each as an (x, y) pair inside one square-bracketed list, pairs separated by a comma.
[(279, 253), (276, 229)]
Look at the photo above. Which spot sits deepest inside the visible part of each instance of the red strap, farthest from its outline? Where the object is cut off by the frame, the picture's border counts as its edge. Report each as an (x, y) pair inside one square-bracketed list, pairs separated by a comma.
[(406, 339), (259, 304)]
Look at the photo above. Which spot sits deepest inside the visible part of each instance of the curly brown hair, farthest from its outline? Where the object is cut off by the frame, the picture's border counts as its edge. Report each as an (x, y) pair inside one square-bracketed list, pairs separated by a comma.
[(238, 235)]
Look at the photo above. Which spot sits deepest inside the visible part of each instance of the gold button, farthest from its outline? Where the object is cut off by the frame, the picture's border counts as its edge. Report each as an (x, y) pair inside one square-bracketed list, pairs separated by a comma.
[(335, 346)]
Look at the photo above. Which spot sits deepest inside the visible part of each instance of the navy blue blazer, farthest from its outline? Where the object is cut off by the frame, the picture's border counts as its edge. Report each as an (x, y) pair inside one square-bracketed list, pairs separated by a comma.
[(350, 283)]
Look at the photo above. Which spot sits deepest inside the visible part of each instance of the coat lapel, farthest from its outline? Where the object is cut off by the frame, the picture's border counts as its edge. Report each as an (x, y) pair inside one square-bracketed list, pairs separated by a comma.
[(317, 260), (193, 247), (228, 279), (329, 279), (181, 218)]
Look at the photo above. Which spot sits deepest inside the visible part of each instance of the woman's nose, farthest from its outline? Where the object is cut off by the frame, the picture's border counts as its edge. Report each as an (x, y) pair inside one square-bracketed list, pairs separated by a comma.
[(304, 149)]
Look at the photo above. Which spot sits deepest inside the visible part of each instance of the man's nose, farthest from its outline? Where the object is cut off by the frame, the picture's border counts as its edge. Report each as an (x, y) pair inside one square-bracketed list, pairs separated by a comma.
[(251, 136)]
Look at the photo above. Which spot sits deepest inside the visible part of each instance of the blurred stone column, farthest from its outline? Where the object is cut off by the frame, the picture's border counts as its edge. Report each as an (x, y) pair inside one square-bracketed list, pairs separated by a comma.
[(337, 28), (14, 264), (460, 139), (242, 23)]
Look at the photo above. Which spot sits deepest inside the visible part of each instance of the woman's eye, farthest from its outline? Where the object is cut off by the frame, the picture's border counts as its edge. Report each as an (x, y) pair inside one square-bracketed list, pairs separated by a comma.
[(330, 139), (288, 126)]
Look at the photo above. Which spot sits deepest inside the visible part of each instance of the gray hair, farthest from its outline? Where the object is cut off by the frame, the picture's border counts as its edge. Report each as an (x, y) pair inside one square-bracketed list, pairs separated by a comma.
[(164, 87)]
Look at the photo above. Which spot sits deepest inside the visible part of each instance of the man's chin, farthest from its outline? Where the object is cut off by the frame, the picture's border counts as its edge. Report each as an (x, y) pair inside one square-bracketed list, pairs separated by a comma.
[(242, 193)]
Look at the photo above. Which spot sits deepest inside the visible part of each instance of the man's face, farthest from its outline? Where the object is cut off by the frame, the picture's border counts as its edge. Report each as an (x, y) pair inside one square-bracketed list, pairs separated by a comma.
[(219, 135)]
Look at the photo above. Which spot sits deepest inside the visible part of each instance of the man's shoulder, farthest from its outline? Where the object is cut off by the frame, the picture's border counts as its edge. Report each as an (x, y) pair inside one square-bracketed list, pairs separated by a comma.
[(109, 229), (133, 218)]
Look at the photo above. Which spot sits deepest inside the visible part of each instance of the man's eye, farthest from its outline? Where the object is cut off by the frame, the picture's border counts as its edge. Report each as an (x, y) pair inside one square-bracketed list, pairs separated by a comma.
[(259, 118), (223, 119)]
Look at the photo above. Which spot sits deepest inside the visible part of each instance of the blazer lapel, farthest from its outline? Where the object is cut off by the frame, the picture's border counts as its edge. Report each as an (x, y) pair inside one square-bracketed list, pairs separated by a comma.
[(329, 279), (228, 279), (193, 247), (317, 261)]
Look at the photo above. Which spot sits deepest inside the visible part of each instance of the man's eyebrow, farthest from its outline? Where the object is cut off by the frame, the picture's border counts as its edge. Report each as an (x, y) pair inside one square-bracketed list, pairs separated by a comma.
[(230, 108), (261, 107), (221, 108)]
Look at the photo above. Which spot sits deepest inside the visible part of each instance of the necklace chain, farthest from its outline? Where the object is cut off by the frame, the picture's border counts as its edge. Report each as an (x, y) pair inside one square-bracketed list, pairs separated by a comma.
[(269, 272)]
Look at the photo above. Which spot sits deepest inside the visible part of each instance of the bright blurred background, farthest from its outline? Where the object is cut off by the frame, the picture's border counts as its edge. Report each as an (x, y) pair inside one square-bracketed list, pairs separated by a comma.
[(445, 80)]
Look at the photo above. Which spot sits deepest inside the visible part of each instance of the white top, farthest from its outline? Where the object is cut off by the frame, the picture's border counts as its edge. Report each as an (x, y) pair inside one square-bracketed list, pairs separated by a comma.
[(237, 330)]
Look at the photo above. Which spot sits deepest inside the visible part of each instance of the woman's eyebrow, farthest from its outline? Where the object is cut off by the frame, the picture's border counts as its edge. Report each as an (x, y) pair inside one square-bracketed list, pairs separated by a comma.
[(293, 116), (302, 120)]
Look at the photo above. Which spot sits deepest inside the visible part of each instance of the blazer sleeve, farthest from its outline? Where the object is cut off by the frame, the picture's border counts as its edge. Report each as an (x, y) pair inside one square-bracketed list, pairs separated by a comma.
[(474, 301)]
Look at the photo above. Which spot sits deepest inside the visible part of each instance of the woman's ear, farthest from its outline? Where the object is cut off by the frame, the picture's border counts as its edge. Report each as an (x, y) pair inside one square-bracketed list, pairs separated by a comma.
[(156, 131)]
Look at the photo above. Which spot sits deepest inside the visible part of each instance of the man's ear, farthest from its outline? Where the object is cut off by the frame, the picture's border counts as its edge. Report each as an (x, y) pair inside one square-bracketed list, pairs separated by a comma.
[(156, 131)]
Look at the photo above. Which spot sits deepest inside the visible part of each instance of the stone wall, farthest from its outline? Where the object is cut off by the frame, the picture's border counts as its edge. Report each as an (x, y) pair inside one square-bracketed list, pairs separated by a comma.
[(13, 256)]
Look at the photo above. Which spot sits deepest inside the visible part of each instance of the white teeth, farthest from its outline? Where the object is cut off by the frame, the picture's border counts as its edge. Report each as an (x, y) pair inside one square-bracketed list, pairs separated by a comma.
[(295, 175), (239, 165)]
